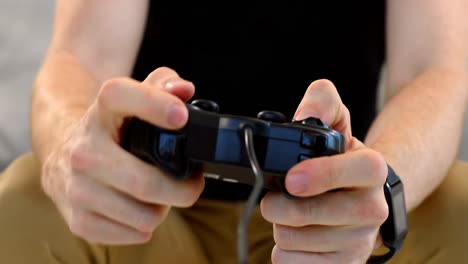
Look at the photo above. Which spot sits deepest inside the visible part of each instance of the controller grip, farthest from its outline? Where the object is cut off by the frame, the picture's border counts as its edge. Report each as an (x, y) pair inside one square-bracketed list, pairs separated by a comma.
[(157, 146)]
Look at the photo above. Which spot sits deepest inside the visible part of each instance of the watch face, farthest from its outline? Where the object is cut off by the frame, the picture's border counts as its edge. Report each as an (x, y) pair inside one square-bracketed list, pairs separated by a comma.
[(395, 228), (399, 211)]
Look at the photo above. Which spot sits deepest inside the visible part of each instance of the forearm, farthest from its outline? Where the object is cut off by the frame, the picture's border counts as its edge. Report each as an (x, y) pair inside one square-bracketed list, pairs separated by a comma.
[(419, 130), (85, 50), (63, 90)]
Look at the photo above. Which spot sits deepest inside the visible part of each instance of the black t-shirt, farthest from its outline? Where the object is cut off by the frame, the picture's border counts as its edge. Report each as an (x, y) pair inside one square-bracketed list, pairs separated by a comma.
[(250, 56)]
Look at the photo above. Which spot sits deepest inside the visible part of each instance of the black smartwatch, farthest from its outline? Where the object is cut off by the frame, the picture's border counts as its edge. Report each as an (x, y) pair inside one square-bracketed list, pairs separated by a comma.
[(395, 228)]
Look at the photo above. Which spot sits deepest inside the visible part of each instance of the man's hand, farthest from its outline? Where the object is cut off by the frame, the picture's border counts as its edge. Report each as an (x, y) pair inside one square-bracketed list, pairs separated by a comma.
[(339, 220), (105, 194)]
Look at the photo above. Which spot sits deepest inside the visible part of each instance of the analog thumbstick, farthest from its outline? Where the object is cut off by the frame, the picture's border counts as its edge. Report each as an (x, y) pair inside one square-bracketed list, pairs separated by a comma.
[(272, 116), (311, 121), (206, 105)]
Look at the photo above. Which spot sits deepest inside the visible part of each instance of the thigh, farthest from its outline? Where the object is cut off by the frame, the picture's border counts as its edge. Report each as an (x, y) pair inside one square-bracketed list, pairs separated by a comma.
[(437, 228), (172, 242), (33, 231), (215, 224)]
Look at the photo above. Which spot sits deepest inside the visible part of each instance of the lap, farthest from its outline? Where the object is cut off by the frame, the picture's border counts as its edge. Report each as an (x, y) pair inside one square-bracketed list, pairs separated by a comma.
[(437, 231), (34, 232)]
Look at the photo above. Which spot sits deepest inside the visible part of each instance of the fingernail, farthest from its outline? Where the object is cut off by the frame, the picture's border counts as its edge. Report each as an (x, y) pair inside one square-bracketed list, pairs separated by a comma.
[(177, 116), (297, 183)]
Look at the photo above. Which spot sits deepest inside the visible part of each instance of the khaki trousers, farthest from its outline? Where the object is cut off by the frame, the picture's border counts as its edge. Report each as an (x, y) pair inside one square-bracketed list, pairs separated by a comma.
[(32, 230)]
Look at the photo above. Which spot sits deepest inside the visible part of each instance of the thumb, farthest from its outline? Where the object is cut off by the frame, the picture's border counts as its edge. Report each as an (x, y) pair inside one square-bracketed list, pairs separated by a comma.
[(322, 101)]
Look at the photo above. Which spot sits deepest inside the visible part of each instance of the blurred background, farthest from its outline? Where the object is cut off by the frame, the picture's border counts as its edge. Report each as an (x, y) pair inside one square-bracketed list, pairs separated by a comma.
[(25, 29)]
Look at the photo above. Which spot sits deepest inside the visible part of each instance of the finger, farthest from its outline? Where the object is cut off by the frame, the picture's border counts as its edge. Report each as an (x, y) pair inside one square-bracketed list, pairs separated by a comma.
[(322, 101), (121, 98), (280, 256), (97, 229), (145, 182), (361, 168), (324, 239), (114, 205), (108, 163), (342, 208), (170, 81)]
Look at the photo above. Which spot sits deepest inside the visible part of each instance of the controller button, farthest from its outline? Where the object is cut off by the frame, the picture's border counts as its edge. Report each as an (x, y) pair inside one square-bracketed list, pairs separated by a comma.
[(303, 157), (271, 116), (170, 146), (312, 140), (311, 121), (206, 105)]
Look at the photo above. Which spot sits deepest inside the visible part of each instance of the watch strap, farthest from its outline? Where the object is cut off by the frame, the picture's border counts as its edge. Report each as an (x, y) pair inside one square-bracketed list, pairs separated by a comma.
[(395, 228)]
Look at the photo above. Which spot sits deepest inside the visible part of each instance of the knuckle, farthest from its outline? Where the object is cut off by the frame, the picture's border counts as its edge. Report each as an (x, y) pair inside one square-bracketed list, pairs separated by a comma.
[(345, 111), (189, 197), (374, 208), (351, 258), (345, 257), (311, 212), (376, 166), (160, 74), (153, 77), (46, 177), (81, 157), (164, 70), (381, 209), (362, 246), (145, 238), (108, 92), (325, 84), (299, 213), (79, 223), (148, 220), (277, 256), (167, 72), (266, 205), (140, 188), (333, 176), (75, 192), (284, 237), (189, 200)]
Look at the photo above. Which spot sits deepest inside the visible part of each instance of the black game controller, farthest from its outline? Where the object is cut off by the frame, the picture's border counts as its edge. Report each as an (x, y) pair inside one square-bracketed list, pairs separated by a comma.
[(213, 143)]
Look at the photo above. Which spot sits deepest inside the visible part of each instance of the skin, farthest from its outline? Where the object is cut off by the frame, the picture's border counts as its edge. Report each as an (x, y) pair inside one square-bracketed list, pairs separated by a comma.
[(82, 97), (427, 72)]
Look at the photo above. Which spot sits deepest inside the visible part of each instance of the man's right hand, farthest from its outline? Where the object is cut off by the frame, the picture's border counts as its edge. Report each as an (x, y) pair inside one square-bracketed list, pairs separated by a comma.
[(105, 194)]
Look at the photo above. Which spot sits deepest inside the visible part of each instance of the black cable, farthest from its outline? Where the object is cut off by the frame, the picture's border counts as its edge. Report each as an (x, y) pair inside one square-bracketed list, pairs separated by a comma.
[(242, 229)]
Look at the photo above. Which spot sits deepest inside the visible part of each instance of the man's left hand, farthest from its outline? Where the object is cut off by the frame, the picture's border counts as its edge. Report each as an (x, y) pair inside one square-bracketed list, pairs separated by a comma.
[(344, 205)]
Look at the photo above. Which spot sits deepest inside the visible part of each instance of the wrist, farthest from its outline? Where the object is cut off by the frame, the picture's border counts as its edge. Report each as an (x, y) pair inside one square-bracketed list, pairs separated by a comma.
[(394, 230), (50, 131)]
